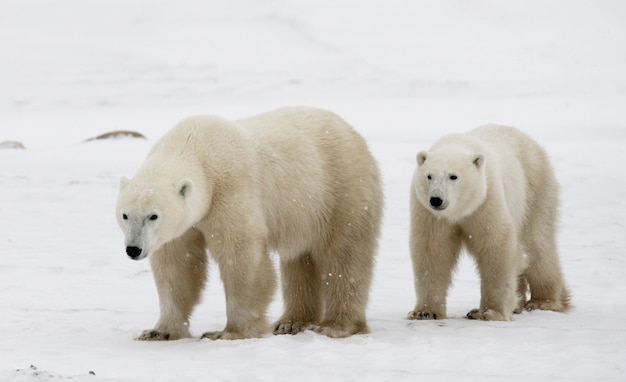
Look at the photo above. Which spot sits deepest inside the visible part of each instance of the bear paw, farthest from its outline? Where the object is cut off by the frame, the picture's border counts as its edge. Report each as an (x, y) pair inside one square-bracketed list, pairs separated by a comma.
[(552, 305), (486, 314), (226, 335), (341, 330), (421, 315), (521, 306), (154, 335), (290, 328)]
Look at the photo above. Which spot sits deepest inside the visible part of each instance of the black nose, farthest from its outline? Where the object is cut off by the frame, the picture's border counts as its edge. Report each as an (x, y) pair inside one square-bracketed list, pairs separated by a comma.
[(133, 252), (436, 202)]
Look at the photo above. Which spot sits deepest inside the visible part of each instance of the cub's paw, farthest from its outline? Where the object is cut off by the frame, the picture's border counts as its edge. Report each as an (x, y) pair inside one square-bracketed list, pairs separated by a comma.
[(487, 315), (154, 335), (555, 306), (232, 335), (340, 330), (424, 315), (290, 327)]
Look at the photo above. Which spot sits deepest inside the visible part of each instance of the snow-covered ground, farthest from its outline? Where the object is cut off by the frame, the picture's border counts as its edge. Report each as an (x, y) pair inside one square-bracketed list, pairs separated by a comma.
[(403, 72)]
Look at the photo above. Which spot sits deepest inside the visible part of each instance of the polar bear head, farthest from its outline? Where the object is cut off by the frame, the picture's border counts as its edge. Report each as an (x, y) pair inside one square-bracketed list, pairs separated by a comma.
[(152, 213), (450, 181)]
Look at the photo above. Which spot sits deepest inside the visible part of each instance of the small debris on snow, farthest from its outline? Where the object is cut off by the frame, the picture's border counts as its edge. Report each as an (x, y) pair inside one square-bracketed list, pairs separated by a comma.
[(12, 145), (117, 134), (45, 375)]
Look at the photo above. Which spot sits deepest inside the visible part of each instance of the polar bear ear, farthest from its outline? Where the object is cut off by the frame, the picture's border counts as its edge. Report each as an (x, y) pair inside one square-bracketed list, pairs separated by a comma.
[(123, 182), (184, 187), (421, 157), (478, 160)]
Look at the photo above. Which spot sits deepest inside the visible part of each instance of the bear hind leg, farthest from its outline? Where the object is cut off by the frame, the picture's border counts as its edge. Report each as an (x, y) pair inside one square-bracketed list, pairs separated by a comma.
[(301, 294), (346, 274), (547, 287), (522, 294), (548, 290), (249, 284)]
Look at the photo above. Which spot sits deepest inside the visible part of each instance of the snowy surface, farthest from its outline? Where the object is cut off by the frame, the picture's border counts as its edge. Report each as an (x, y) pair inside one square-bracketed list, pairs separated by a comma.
[(403, 72)]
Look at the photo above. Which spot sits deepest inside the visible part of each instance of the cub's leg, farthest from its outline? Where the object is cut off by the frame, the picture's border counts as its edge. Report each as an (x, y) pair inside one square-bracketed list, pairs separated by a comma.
[(301, 280), (435, 248), (249, 283), (499, 267), (548, 290), (547, 287), (180, 271)]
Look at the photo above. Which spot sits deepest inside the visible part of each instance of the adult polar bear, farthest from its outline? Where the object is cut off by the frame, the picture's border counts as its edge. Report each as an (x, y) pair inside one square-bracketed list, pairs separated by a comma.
[(298, 181), (493, 191)]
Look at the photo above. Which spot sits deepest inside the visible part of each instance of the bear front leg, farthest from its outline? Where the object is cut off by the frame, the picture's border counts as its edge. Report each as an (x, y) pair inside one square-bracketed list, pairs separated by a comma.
[(499, 276), (180, 271), (301, 289), (249, 284), (435, 247)]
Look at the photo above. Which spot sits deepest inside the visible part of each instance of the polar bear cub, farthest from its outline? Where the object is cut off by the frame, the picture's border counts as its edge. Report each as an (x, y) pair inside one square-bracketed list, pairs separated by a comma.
[(493, 192), (298, 181)]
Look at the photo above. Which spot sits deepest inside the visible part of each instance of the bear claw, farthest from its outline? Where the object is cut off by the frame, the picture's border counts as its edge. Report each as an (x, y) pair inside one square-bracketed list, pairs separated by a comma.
[(153, 335), (473, 314), (417, 315), (230, 335), (212, 335), (286, 328), (486, 314)]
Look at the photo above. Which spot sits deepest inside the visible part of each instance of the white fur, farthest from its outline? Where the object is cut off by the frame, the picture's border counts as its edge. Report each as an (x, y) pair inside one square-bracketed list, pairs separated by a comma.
[(493, 192), (299, 181)]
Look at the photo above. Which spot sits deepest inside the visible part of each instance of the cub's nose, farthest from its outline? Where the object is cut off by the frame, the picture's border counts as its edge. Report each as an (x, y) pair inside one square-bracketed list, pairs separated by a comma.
[(133, 252), (436, 202)]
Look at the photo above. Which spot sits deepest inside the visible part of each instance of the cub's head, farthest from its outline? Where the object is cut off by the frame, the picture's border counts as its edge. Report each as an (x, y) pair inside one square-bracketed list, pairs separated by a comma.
[(450, 182), (153, 213)]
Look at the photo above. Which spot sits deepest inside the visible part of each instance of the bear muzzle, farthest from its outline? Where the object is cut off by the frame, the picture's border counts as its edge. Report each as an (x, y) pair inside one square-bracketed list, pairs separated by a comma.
[(133, 252), (437, 204)]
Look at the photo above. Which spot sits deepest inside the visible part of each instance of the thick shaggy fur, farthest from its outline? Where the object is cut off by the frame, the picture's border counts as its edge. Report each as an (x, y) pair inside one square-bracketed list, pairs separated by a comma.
[(298, 181), (493, 192)]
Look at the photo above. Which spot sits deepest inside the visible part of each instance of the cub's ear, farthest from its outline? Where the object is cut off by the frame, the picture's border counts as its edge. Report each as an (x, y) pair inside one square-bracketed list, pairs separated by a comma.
[(123, 182), (184, 187), (421, 157), (478, 160)]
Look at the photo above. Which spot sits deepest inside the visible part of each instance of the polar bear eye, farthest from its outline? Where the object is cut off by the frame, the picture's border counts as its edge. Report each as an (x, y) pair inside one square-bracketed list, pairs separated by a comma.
[(153, 217), (429, 177), (124, 216), (453, 177)]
